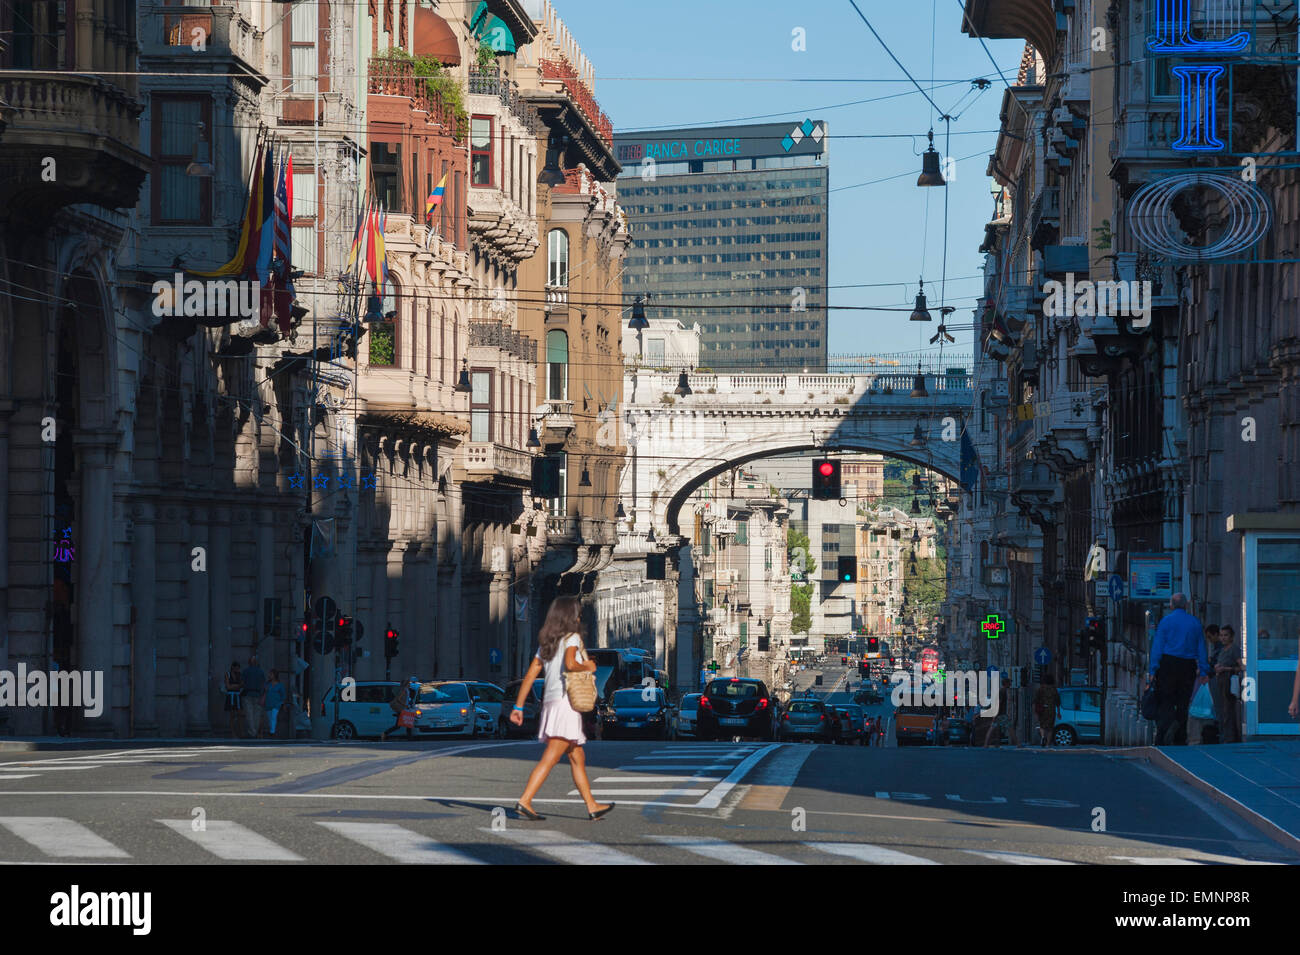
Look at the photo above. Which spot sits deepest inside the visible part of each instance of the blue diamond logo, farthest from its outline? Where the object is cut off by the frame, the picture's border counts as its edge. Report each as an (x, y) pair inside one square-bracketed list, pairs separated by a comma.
[(787, 144), (807, 127)]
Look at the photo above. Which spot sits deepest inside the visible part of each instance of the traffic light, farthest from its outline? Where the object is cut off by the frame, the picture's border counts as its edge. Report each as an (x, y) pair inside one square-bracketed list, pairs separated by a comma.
[(305, 630), (323, 625), (343, 631), (848, 566), (1095, 628), (826, 479), (873, 644), (390, 643)]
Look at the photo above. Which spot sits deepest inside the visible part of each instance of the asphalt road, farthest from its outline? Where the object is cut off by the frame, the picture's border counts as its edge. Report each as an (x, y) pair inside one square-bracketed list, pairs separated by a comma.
[(678, 802)]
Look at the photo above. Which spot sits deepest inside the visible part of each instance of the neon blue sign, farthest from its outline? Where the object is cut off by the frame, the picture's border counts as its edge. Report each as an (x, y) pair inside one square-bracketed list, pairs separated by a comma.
[(1197, 85)]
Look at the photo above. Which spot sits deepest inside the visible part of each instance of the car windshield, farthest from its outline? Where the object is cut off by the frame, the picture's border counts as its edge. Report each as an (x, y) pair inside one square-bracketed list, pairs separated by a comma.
[(805, 706), (633, 698), (691, 702), (734, 691), (852, 710), (445, 693)]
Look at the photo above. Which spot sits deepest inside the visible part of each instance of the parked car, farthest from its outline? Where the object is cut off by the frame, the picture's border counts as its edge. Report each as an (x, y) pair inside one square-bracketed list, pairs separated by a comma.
[(361, 713), (532, 709), (1080, 716), (806, 718), (490, 697), (736, 706), (954, 731), (447, 709), (629, 713), (914, 725), (853, 724), (681, 722), (485, 725)]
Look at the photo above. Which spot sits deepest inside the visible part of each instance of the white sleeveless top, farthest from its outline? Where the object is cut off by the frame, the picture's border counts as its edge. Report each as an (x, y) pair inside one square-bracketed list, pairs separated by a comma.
[(555, 669)]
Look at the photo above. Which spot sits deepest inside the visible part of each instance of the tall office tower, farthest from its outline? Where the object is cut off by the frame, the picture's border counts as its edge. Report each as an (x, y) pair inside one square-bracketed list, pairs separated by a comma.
[(729, 230)]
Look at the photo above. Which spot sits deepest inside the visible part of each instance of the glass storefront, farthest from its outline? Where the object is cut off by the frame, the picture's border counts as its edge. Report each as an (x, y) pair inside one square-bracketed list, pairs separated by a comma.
[(1272, 630)]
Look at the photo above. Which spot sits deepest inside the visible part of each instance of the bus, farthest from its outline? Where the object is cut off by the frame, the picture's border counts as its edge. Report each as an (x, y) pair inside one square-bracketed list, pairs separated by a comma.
[(929, 660), (617, 669)]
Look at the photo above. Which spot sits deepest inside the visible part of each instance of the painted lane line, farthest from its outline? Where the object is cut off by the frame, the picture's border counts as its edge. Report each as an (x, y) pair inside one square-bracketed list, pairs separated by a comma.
[(1016, 858), (60, 837), (1155, 860), (722, 851), (44, 769), (876, 855), (232, 842), (661, 766), (720, 791), (651, 779), (691, 759), (566, 848), (400, 843), (22, 776), (612, 793)]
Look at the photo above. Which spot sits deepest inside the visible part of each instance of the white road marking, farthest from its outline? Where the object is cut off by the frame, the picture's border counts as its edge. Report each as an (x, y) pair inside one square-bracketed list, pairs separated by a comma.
[(1155, 860), (22, 776), (601, 793), (231, 841), (651, 779), (876, 855), (1017, 858), (566, 848), (692, 759), (722, 851), (46, 769), (400, 843), (60, 837), (720, 791), (658, 766)]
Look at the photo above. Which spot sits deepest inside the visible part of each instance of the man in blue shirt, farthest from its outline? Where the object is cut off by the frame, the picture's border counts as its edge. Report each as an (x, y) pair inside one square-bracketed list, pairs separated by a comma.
[(1178, 666)]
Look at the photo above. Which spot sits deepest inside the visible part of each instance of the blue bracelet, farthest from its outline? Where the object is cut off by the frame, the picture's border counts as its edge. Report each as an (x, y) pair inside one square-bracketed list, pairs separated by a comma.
[(519, 708)]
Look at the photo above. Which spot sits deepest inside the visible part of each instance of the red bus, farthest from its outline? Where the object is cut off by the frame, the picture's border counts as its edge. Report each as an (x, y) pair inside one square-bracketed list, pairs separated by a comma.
[(929, 660)]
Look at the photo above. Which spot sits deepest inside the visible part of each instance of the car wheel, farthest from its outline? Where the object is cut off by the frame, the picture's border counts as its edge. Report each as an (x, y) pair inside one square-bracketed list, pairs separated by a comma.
[(1063, 736), (343, 730)]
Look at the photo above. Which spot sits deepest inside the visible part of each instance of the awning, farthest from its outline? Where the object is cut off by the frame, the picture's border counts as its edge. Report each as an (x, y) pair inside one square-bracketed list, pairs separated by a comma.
[(433, 37), (491, 30)]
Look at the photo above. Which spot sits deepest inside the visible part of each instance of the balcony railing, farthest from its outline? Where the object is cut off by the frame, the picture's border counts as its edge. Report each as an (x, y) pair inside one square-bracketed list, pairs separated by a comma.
[(582, 97), (390, 76), (1061, 411), (219, 31), (507, 93), (487, 457), (499, 335), (558, 416), (557, 298)]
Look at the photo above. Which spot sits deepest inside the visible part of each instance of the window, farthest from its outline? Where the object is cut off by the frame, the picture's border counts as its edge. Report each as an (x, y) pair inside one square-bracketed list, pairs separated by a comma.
[(480, 406), (179, 199), (654, 351), (303, 70), (557, 258), (304, 221), (557, 365), (557, 504), (383, 335), (41, 36), (386, 169), (480, 151)]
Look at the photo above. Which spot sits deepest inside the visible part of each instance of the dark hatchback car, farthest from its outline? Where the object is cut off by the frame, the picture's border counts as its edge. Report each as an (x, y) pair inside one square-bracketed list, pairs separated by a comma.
[(853, 724), (635, 713), (735, 706), (954, 731), (808, 719), (532, 709)]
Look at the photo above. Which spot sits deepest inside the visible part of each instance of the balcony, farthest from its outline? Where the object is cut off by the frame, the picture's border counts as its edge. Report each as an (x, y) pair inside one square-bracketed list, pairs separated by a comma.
[(484, 458), (507, 94), (88, 125), (497, 223), (1060, 432), (557, 418), (557, 299), (392, 76), (1045, 218), (227, 38), (499, 335)]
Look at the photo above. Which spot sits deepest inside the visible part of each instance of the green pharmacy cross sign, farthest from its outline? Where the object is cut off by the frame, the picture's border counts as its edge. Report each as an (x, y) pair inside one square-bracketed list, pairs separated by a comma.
[(993, 626)]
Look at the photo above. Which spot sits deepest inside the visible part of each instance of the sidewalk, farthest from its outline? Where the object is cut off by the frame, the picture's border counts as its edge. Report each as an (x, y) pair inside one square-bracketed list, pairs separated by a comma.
[(1258, 780)]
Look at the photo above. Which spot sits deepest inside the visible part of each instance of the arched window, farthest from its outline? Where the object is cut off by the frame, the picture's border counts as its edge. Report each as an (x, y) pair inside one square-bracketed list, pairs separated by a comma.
[(557, 365), (557, 258)]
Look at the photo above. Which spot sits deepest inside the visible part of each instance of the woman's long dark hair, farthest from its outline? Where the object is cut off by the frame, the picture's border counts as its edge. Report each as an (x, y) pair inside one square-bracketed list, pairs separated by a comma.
[(563, 618)]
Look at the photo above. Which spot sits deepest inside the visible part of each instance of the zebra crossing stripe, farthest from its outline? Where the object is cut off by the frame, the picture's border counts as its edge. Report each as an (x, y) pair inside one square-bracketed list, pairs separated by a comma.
[(231, 841), (1017, 858), (722, 851), (56, 836), (875, 855), (1155, 860), (567, 849), (400, 843)]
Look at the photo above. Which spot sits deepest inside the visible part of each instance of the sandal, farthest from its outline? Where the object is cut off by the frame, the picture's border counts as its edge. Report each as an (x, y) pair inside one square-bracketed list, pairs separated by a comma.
[(528, 813)]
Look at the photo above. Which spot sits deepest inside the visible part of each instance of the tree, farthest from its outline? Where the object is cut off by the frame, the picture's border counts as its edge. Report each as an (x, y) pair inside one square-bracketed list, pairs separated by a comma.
[(798, 551)]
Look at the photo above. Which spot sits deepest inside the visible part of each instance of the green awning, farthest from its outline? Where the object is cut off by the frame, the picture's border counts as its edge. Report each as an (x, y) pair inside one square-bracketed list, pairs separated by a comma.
[(491, 30)]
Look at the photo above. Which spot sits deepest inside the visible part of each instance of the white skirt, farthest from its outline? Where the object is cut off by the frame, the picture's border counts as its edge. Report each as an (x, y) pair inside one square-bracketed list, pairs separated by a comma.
[(561, 721)]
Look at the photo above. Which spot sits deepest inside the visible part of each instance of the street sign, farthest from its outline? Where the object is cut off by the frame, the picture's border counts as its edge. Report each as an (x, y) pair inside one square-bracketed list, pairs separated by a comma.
[(494, 656), (1116, 587), (1151, 576), (1042, 656)]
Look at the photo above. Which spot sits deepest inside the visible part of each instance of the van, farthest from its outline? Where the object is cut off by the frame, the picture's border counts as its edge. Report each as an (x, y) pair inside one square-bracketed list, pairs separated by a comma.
[(366, 714)]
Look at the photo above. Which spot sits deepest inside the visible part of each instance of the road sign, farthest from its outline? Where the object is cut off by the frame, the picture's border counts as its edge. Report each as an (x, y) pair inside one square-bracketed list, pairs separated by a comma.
[(1116, 587), (494, 656), (1151, 576), (1042, 656)]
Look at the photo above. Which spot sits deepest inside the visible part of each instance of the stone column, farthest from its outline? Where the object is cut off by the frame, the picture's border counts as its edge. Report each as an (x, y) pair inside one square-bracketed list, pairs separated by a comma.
[(270, 649), (95, 606), (199, 677), (144, 640), (219, 604), (379, 616), (6, 410)]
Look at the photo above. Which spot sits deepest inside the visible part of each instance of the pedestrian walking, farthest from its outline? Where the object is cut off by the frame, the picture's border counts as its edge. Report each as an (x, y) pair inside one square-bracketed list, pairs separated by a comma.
[(254, 687), (273, 700), (1047, 708), (1210, 731), (403, 700), (234, 690), (1227, 667), (559, 652), (1178, 666)]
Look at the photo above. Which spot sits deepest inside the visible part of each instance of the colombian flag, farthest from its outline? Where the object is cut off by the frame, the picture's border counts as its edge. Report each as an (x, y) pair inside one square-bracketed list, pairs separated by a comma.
[(435, 198)]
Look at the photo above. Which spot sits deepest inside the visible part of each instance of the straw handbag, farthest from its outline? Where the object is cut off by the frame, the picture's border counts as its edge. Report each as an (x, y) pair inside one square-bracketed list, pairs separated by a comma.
[(580, 686)]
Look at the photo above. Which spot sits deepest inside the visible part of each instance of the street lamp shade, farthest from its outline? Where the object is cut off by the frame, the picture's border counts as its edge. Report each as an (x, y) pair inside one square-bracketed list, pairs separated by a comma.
[(638, 321), (930, 174), (918, 384), (921, 313), (683, 386), (462, 384), (533, 441), (918, 437)]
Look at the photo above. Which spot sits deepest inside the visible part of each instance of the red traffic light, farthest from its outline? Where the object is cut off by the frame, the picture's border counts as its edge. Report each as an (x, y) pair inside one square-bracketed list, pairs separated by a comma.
[(826, 469), (388, 635), (342, 621)]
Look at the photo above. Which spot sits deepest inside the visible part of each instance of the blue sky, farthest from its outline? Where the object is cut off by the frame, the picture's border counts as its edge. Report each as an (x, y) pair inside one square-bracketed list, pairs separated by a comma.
[(696, 62)]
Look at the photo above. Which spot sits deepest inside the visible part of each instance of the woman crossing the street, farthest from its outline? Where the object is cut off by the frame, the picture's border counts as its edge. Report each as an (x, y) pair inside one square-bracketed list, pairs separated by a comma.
[(559, 652)]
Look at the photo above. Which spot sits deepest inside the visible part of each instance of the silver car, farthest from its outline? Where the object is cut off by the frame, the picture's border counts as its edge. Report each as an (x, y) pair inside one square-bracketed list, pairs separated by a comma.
[(446, 710), (682, 721)]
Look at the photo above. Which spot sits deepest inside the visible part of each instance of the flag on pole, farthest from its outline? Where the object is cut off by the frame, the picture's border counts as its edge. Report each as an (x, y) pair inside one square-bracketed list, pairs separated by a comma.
[(266, 221), (358, 239), (284, 210), (247, 231), (435, 198)]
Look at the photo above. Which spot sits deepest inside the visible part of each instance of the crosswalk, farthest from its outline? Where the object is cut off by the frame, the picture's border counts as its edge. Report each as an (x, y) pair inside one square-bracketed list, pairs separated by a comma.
[(61, 765), (679, 776), (67, 840)]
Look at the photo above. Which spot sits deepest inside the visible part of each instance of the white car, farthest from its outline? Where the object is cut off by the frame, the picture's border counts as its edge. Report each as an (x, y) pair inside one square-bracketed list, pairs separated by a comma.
[(485, 725), (363, 710), (446, 710)]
